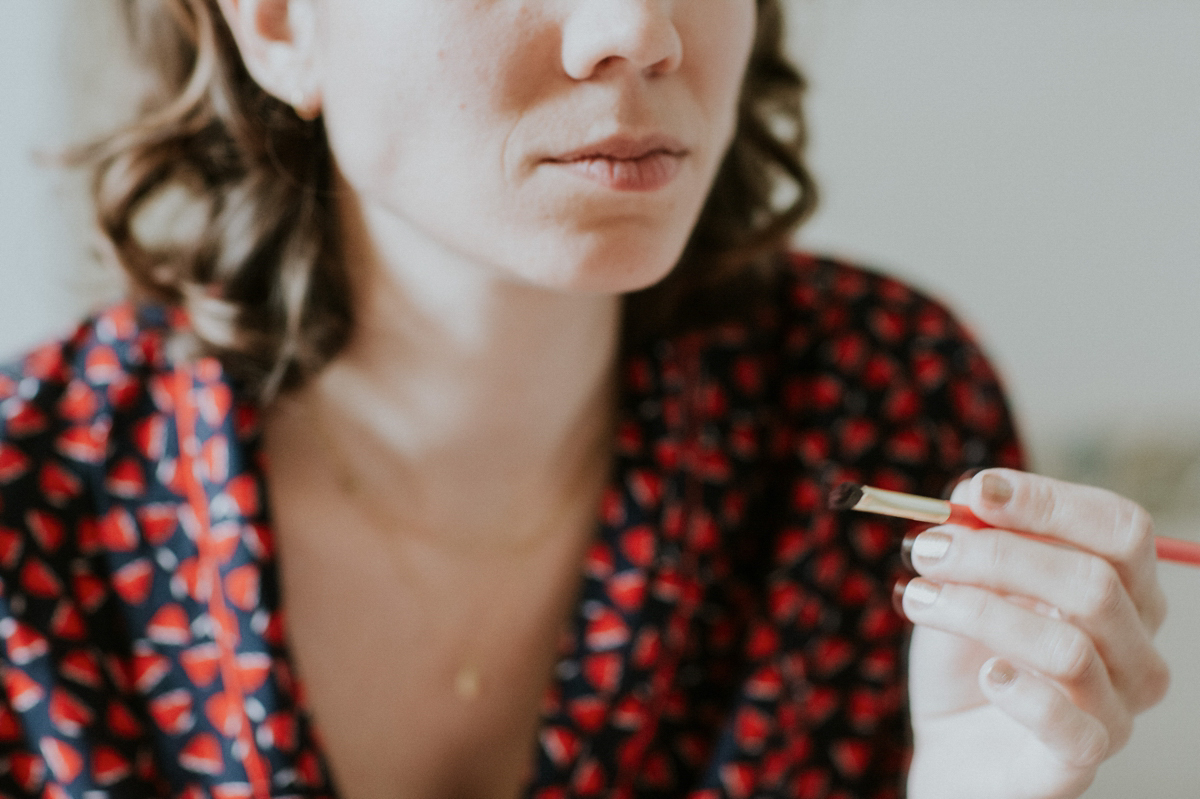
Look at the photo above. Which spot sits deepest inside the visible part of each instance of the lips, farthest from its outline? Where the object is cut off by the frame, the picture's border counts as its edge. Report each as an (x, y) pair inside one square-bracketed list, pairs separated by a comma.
[(626, 148), (627, 163)]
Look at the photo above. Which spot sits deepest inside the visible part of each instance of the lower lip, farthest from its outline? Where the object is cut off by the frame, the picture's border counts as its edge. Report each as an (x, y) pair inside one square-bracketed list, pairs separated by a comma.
[(646, 174)]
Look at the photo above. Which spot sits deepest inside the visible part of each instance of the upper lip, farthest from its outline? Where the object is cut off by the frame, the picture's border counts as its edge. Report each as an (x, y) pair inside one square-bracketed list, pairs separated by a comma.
[(625, 147)]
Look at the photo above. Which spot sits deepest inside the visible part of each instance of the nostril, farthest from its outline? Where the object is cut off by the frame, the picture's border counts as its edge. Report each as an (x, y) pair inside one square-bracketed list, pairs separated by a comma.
[(637, 37)]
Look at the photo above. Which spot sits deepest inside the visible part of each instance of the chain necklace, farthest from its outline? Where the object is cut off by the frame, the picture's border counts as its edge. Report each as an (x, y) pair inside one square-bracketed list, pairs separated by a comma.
[(582, 490)]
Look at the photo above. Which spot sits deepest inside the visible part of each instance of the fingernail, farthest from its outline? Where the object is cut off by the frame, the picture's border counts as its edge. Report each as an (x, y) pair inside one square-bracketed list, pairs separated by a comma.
[(898, 596), (1001, 673), (906, 552), (930, 546), (995, 489), (921, 593)]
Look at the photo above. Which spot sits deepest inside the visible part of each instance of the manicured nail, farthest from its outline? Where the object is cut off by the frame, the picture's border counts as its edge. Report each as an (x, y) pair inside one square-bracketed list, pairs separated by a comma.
[(930, 546), (906, 552), (922, 593), (995, 489), (1001, 673), (898, 596)]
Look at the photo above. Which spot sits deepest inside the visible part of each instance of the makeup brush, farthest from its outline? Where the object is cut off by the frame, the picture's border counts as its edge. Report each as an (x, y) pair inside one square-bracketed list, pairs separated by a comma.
[(852, 496)]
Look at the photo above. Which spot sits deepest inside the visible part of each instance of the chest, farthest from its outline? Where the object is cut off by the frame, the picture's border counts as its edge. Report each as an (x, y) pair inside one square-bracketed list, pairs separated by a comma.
[(423, 671)]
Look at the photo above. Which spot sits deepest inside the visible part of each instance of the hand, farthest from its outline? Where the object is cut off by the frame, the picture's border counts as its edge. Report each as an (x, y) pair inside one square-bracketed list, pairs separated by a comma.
[(1030, 656)]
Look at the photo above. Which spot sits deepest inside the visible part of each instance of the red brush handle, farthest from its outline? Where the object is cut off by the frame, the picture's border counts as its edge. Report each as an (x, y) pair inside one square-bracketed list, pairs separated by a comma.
[(1168, 549), (962, 516), (1177, 551)]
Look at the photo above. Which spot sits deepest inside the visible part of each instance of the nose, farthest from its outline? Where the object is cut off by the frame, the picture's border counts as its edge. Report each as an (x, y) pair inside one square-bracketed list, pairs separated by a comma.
[(600, 35)]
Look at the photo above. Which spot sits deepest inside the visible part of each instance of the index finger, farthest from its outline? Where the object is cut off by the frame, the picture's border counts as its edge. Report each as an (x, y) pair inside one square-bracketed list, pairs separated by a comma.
[(1089, 518)]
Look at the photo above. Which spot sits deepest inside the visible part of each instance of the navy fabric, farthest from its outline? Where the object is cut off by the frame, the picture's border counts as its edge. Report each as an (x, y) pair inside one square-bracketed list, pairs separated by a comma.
[(733, 637)]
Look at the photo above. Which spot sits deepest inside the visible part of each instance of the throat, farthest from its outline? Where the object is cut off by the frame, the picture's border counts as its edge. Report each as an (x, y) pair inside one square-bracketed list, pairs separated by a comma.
[(500, 486)]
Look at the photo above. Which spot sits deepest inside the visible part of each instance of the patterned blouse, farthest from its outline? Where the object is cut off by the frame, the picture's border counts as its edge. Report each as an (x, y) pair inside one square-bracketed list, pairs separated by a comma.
[(732, 637)]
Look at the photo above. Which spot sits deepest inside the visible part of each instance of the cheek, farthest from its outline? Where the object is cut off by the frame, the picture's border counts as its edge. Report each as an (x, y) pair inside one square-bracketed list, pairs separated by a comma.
[(719, 36), (407, 91), (364, 94)]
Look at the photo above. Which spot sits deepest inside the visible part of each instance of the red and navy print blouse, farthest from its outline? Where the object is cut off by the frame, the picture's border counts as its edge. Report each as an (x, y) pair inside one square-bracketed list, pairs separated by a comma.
[(733, 637)]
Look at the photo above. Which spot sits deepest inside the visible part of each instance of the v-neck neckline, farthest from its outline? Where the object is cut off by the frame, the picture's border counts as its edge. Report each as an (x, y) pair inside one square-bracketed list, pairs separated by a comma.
[(595, 629)]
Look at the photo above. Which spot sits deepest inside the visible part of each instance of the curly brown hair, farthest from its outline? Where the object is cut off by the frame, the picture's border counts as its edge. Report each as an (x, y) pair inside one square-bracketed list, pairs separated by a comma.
[(257, 268)]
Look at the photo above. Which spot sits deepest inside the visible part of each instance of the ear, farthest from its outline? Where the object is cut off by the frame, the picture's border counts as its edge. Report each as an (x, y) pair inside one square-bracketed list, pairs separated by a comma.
[(277, 40)]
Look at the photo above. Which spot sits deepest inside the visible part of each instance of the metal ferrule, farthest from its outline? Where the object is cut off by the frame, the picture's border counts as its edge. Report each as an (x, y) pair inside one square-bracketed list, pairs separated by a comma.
[(906, 506)]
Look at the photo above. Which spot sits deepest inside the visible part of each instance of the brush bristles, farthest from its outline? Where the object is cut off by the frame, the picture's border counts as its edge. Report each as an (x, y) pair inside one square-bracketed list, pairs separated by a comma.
[(845, 496)]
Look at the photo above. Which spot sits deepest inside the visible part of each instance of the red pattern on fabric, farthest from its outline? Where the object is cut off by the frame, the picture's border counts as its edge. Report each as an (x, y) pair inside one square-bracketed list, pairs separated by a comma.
[(733, 637), (205, 751)]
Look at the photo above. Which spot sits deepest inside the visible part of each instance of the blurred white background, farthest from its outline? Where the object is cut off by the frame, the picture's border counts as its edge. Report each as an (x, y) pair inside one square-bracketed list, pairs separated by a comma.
[(1034, 162)]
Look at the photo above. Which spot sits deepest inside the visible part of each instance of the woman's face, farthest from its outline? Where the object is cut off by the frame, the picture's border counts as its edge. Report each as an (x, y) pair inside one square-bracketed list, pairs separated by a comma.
[(566, 143)]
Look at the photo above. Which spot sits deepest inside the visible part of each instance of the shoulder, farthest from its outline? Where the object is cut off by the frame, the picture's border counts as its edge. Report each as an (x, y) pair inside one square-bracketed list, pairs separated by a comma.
[(811, 299), (59, 407), (821, 315), (96, 368), (880, 378), (857, 330), (833, 298), (869, 326), (840, 364)]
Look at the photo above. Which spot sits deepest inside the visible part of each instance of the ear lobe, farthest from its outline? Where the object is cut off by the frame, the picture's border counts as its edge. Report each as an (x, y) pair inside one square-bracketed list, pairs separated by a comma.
[(277, 41)]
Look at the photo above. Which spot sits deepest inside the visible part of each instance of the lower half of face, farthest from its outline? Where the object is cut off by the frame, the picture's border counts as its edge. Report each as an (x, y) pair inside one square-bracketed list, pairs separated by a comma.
[(541, 139)]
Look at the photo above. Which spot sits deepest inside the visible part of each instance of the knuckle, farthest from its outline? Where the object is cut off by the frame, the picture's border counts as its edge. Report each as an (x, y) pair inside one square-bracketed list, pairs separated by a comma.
[(1135, 529), (1072, 655), (1092, 745), (1043, 503), (1155, 612), (992, 554), (975, 609), (1104, 593), (1155, 682)]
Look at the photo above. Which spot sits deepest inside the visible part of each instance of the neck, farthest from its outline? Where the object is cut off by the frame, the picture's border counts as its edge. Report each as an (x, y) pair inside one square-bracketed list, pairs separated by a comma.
[(456, 376)]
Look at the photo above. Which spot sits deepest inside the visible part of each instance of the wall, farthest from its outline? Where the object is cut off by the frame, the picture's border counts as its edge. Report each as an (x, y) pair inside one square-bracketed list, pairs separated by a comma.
[(40, 254), (1034, 162)]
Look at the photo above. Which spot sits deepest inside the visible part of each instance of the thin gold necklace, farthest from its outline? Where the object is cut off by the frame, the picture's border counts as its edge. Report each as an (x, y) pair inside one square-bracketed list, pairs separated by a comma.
[(468, 680)]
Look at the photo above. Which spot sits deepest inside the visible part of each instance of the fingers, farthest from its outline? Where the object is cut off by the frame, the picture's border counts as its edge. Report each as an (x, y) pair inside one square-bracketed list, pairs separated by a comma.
[(1053, 648), (1062, 589), (1088, 518), (1083, 589), (1075, 737)]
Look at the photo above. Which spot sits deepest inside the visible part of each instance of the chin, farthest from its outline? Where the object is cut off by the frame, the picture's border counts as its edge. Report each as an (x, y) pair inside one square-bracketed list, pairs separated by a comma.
[(619, 268)]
